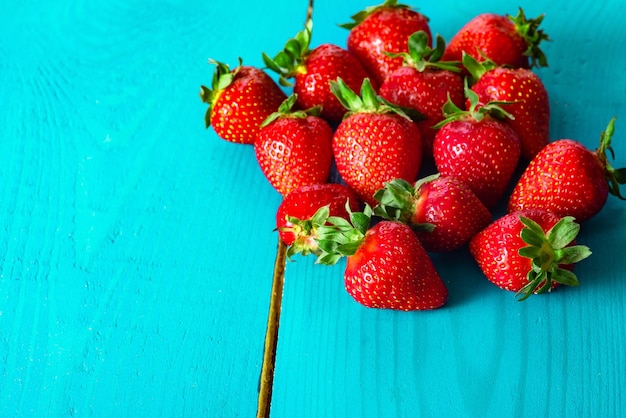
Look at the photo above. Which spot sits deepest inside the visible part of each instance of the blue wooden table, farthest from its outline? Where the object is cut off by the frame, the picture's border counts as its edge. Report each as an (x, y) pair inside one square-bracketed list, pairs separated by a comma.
[(138, 249)]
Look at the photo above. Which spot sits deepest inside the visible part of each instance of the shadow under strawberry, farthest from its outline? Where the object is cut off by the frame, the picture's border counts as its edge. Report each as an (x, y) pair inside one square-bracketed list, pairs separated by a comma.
[(605, 268), (463, 278)]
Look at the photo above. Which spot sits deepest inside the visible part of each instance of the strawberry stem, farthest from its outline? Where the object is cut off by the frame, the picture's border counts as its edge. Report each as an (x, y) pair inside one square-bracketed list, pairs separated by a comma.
[(615, 176), (549, 250)]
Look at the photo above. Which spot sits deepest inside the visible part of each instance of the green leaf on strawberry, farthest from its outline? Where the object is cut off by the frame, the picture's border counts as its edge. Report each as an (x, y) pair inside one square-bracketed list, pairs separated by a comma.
[(529, 30), (360, 16), (305, 232), (307, 208), (309, 232), (475, 111), (222, 78), (286, 110), (397, 202), (475, 68), (615, 177), (421, 56), (369, 101), (548, 250), (338, 237), (288, 62)]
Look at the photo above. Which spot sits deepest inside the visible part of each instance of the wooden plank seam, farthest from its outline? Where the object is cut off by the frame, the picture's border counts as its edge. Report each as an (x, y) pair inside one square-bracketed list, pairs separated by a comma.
[(271, 333)]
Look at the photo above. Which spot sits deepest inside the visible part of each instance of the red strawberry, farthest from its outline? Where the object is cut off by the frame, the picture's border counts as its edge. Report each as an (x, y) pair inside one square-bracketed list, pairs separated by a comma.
[(294, 149), (381, 29), (375, 143), (424, 83), (506, 40), (527, 97), (386, 265), (444, 212), (529, 251), (477, 149), (313, 69), (568, 179), (295, 220), (239, 101)]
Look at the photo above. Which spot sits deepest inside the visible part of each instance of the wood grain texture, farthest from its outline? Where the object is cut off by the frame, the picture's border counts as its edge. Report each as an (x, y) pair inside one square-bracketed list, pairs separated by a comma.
[(123, 289)]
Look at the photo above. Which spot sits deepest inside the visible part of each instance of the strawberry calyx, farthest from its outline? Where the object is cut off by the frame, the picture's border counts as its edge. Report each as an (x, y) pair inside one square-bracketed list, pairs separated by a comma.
[(290, 61), (529, 30), (421, 56), (615, 176), (475, 68), (360, 16), (398, 199), (285, 110), (339, 237), (223, 76), (305, 232), (475, 111), (368, 101), (548, 250)]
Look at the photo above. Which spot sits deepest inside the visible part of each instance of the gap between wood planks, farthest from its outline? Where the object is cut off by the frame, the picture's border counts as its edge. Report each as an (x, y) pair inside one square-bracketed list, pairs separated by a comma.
[(271, 333)]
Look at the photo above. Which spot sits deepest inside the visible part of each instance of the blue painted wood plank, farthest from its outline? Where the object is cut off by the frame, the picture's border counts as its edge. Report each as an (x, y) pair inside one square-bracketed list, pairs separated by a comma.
[(137, 248)]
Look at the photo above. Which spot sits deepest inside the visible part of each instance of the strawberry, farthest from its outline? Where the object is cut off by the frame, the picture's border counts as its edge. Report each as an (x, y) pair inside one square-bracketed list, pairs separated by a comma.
[(506, 40), (529, 251), (295, 218), (568, 179), (386, 266), (444, 212), (294, 148), (381, 29), (239, 101), (376, 142), (477, 149), (527, 97), (313, 69), (424, 83)]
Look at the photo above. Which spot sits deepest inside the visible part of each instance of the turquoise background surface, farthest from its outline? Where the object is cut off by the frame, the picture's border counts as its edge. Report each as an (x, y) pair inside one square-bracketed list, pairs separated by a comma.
[(137, 248)]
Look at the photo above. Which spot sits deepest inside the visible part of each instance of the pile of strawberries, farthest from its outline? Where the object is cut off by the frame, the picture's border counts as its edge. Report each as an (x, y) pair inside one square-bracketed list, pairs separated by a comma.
[(376, 115)]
